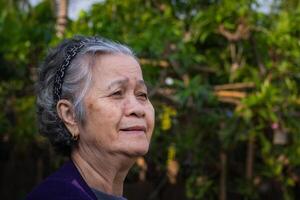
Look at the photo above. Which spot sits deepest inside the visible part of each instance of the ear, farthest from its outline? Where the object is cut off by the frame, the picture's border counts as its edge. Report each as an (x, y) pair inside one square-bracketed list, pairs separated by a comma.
[(66, 113)]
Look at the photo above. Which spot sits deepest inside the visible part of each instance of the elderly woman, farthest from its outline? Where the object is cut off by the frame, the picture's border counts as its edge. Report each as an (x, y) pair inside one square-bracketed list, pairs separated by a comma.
[(92, 105)]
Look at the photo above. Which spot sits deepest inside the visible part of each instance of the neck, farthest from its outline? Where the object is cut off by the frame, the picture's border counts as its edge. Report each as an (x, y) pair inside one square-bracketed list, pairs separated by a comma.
[(105, 172)]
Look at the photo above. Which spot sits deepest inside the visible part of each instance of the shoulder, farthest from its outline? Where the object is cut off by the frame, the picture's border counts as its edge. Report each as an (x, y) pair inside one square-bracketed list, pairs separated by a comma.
[(65, 184), (56, 189)]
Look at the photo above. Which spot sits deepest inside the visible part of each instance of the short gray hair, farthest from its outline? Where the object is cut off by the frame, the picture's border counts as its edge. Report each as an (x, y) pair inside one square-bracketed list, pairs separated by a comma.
[(76, 83)]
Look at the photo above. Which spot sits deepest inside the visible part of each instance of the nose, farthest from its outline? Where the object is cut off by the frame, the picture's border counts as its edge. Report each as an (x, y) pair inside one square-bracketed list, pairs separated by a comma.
[(133, 107)]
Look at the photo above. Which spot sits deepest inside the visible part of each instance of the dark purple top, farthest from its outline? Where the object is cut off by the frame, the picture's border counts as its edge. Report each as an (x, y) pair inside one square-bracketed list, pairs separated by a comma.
[(64, 184)]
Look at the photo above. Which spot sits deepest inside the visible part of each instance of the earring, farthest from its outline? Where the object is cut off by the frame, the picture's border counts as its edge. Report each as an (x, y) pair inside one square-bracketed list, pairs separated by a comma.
[(75, 137)]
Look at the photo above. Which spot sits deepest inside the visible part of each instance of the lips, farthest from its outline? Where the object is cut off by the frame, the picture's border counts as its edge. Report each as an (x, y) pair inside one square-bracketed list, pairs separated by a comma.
[(134, 129)]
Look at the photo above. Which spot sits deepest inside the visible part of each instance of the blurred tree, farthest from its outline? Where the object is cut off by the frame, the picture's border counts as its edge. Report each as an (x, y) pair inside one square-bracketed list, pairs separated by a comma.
[(231, 72), (25, 33), (62, 14)]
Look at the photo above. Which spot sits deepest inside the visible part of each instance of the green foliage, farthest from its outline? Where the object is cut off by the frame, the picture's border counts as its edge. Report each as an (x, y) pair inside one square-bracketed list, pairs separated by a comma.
[(25, 33)]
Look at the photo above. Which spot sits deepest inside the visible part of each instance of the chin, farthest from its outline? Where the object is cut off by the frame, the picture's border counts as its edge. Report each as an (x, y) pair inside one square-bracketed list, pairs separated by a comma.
[(141, 152), (137, 150), (134, 146)]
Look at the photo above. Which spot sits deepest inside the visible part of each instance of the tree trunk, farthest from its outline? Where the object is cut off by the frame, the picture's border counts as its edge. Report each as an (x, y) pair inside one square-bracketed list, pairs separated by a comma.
[(62, 14), (223, 159), (40, 170), (250, 158)]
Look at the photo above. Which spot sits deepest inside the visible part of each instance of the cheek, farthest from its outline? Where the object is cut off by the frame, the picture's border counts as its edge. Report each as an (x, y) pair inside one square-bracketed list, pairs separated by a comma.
[(100, 111), (102, 118), (112, 113), (150, 118)]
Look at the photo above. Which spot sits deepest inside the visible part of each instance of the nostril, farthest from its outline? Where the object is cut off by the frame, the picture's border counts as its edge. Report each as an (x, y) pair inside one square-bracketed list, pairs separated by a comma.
[(134, 108)]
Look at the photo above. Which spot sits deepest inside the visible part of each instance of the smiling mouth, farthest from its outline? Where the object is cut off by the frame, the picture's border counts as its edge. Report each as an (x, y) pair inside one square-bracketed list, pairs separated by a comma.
[(134, 129)]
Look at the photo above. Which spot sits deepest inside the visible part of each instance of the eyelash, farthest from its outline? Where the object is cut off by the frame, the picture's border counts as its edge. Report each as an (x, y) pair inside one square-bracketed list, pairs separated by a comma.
[(143, 95), (119, 93)]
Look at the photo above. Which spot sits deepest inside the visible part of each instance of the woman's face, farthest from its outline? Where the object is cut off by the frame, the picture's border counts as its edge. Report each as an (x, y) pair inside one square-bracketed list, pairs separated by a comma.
[(119, 116)]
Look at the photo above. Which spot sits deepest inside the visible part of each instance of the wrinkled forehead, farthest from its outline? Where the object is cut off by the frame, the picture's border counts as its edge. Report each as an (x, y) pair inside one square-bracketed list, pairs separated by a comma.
[(125, 81), (111, 67)]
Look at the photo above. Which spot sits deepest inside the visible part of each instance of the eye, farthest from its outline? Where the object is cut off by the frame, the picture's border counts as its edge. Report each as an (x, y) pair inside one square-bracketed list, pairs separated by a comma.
[(117, 94), (142, 95)]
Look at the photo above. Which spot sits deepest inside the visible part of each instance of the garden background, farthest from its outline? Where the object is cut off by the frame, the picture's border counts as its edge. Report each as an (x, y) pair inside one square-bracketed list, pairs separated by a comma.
[(223, 76)]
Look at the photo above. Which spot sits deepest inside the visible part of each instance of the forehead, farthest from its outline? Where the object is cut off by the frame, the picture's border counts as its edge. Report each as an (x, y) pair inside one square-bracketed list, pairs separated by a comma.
[(109, 66)]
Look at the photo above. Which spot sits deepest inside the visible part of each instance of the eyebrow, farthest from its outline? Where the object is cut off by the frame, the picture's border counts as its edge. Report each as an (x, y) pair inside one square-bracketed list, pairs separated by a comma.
[(125, 81), (118, 82), (142, 83)]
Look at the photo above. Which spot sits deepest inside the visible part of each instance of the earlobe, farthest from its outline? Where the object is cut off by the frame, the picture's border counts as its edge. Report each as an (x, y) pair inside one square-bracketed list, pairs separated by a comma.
[(66, 113)]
